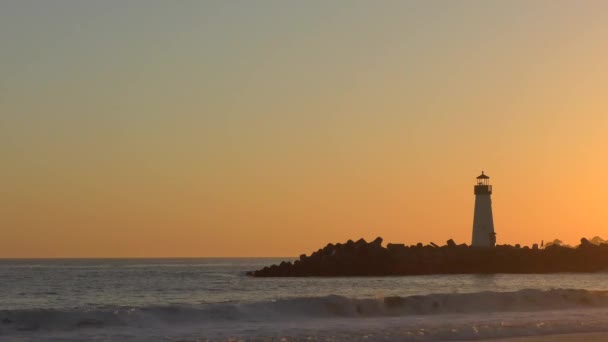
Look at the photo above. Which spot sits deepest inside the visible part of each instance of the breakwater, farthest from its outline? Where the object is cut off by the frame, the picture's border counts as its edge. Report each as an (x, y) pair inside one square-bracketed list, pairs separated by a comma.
[(362, 258)]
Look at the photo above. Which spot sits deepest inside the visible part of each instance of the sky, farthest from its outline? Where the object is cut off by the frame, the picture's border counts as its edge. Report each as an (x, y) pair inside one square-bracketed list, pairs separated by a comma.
[(271, 128)]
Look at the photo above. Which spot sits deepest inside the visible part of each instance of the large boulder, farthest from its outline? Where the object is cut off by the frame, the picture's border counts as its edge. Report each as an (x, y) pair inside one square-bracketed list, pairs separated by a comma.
[(360, 243)]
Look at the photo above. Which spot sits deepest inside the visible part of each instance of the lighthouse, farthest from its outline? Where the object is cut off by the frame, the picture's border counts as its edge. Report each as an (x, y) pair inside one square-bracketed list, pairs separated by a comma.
[(483, 222)]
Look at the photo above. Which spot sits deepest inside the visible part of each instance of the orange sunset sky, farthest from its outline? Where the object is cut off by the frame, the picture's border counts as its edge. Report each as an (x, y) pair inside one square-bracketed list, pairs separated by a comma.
[(270, 128)]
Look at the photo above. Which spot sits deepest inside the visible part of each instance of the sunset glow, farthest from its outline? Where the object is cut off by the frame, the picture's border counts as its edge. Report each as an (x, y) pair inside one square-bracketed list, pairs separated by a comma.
[(199, 129)]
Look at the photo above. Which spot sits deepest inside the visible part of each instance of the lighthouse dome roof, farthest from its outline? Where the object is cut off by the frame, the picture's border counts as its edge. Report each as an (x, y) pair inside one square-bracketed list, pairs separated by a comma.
[(482, 176)]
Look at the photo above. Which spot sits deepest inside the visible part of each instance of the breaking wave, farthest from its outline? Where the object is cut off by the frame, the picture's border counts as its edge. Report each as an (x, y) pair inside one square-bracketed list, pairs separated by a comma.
[(303, 308)]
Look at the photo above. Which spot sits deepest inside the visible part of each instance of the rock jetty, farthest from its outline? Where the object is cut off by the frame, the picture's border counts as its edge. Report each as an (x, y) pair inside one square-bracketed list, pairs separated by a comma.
[(362, 258)]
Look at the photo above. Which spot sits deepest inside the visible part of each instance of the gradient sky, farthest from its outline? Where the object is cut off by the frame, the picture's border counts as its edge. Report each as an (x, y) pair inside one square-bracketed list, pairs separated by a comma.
[(270, 128)]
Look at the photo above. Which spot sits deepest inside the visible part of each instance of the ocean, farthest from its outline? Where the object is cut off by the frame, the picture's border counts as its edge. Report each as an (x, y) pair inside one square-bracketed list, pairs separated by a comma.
[(213, 299)]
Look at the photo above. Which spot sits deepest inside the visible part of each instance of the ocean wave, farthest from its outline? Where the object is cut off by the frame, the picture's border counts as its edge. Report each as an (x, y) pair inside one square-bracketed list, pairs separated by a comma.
[(433, 304), (304, 308)]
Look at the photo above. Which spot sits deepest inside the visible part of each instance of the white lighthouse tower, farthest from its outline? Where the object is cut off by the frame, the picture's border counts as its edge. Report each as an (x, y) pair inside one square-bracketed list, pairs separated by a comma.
[(483, 222)]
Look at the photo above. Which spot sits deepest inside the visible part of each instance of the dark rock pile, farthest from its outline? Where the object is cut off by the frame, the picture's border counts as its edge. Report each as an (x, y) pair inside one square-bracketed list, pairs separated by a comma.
[(363, 258)]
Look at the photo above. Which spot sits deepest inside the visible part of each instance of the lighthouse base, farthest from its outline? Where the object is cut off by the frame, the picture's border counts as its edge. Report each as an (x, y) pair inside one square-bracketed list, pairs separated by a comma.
[(483, 223)]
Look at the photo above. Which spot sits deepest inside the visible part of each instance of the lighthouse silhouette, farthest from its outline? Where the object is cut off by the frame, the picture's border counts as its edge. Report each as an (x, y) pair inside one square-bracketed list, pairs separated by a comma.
[(483, 221)]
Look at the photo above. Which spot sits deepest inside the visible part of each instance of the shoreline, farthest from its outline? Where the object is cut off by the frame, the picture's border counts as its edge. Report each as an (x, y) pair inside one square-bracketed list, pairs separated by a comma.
[(591, 337)]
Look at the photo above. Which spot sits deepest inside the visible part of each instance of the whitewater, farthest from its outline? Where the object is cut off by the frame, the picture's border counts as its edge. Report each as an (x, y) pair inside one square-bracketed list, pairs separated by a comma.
[(213, 299)]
